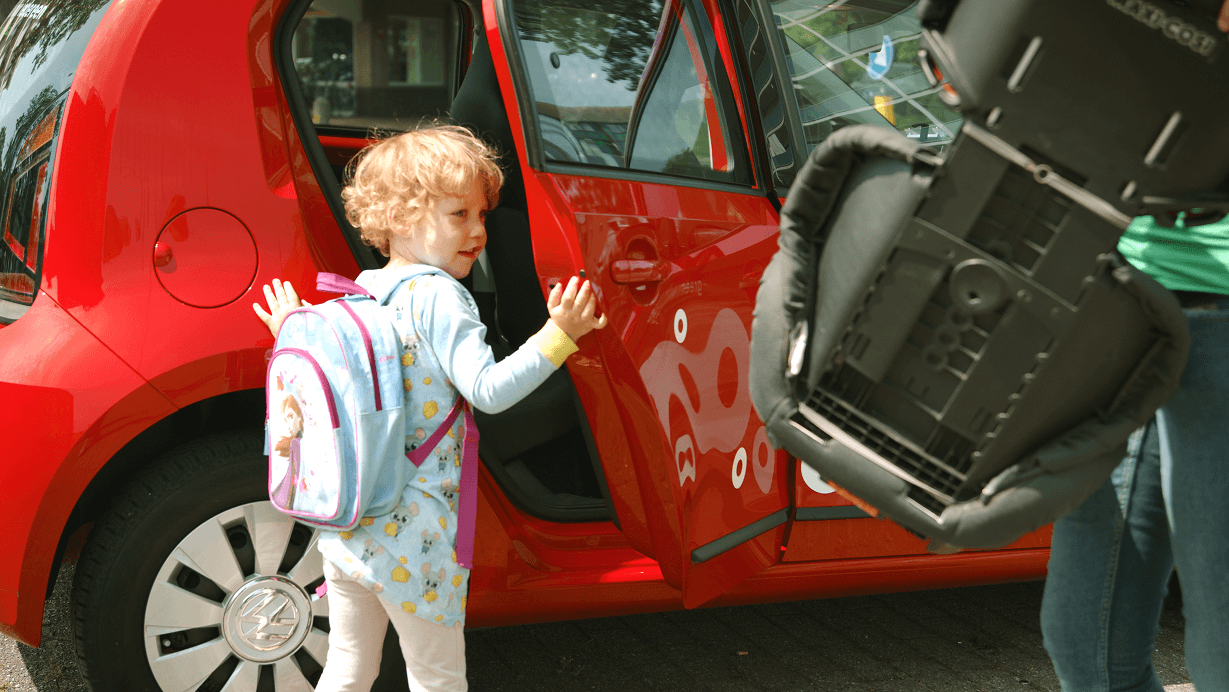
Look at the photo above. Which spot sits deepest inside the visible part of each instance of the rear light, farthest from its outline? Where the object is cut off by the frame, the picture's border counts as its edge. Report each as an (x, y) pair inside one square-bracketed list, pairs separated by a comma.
[(25, 218)]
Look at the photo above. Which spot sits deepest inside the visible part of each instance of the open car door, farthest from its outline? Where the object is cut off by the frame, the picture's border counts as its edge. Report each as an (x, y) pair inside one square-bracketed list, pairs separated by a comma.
[(638, 165)]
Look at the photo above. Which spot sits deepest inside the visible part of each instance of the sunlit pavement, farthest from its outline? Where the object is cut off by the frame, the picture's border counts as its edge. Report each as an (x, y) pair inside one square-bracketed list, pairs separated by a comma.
[(979, 638), (983, 638)]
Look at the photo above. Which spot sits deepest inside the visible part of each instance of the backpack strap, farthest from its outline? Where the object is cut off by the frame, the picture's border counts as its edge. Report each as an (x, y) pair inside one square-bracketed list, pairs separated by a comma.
[(467, 509), (467, 512), (336, 283), (369, 348), (420, 453)]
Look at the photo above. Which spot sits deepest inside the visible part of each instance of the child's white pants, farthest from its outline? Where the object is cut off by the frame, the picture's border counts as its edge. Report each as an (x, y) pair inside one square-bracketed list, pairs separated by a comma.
[(358, 620)]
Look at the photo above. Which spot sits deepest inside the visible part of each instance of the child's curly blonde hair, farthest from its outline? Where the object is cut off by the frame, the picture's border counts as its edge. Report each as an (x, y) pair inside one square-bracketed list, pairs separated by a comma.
[(396, 181)]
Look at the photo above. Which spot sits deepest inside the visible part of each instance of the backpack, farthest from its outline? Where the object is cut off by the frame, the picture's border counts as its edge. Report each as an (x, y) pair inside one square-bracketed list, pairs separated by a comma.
[(336, 421)]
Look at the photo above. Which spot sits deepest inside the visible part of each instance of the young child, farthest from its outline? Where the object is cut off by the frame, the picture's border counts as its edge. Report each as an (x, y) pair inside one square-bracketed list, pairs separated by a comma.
[(421, 198)]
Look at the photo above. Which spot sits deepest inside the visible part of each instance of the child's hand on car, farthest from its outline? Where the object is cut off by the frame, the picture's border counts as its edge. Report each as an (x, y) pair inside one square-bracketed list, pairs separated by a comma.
[(573, 309), (282, 299)]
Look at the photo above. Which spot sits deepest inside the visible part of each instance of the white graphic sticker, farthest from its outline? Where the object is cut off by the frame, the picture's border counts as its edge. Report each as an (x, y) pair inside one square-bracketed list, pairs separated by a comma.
[(764, 461), (685, 458), (811, 477), (739, 471)]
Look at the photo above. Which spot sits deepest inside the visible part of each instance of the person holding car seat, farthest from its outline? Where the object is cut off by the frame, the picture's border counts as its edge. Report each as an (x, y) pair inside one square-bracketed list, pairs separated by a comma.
[(1166, 505)]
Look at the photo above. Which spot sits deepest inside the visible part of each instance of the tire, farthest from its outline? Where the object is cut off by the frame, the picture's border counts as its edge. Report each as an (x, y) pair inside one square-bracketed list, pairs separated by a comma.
[(194, 582)]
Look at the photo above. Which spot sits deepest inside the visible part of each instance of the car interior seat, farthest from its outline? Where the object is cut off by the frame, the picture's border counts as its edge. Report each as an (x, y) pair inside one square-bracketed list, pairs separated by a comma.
[(544, 440)]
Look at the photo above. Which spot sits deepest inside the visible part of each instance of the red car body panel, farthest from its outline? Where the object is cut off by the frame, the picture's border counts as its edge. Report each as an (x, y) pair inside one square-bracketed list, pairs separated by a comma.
[(89, 404), (108, 349)]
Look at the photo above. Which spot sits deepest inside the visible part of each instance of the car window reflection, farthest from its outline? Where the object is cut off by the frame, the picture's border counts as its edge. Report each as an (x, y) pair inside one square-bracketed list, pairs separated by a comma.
[(856, 62)]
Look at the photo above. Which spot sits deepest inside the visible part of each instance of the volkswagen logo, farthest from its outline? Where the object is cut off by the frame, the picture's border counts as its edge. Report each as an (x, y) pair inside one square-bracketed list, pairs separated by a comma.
[(267, 619)]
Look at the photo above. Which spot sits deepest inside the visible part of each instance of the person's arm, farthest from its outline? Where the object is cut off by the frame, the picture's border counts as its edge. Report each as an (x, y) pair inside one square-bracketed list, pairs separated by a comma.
[(451, 324), (1222, 20)]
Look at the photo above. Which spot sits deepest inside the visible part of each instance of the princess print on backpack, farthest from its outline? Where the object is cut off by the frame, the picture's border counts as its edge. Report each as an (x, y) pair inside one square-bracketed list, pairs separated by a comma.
[(305, 472), (289, 446)]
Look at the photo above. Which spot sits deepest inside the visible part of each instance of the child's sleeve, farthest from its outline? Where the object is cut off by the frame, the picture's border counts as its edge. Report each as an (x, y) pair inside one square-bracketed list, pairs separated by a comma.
[(451, 324)]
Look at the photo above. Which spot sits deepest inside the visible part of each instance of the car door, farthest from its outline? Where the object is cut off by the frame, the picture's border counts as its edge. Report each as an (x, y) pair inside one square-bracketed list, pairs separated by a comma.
[(639, 154)]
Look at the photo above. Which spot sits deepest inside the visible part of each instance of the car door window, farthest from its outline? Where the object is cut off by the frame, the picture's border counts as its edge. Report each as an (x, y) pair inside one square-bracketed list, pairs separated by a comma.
[(384, 65), (671, 131), (632, 85), (856, 62)]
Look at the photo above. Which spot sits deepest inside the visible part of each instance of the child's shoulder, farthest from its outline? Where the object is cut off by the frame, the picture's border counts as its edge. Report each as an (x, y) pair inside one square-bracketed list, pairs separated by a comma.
[(420, 283)]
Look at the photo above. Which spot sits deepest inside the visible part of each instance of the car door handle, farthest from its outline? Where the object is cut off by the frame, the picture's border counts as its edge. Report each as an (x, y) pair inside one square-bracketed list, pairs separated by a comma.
[(637, 271)]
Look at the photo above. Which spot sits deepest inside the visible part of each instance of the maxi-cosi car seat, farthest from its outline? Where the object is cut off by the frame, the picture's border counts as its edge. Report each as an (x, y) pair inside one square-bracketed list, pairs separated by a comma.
[(954, 342)]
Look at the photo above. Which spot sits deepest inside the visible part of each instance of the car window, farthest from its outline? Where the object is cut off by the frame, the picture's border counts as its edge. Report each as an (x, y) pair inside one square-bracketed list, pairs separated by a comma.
[(856, 61), (40, 47), (629, 84), (386, 65)]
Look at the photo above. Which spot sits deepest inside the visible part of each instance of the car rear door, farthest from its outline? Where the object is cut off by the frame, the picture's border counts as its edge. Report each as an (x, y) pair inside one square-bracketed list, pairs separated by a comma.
[(638, 141)]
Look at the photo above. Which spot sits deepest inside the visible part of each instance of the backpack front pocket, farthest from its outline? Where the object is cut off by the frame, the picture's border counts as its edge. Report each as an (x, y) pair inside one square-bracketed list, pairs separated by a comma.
[(305, 460)]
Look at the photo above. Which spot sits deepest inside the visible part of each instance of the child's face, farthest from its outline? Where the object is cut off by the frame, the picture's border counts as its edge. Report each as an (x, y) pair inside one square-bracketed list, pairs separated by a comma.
[(294, 422), (450, 236)]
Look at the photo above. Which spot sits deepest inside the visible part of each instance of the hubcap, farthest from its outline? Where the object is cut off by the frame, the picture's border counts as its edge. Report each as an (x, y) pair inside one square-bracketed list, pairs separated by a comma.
[(232, 600), (267, 619)]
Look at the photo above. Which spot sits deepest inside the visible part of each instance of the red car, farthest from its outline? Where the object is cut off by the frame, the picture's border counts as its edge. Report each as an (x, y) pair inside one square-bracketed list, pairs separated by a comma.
[(163, 159)]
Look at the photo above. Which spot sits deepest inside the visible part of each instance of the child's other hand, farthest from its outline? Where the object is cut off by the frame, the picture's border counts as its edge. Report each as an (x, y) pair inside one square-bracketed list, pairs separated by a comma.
[(572, 309), (282, 299)]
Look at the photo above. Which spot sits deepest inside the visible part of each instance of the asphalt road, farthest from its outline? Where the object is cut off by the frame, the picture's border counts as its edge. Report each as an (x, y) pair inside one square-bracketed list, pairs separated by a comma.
[(953, 640)]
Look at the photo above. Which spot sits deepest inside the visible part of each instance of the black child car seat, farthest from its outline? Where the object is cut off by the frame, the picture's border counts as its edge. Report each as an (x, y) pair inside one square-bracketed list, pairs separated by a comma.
[(955, 340)]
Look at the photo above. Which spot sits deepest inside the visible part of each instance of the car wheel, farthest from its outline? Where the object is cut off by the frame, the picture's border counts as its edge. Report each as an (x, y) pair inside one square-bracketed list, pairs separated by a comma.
[(194, 582)]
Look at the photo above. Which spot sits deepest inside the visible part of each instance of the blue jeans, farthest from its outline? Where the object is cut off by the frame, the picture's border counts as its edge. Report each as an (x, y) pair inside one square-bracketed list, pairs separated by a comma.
[(1166, 505)]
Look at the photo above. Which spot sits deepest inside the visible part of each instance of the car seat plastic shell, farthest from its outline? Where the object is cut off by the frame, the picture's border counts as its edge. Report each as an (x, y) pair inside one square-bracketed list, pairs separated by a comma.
[(815, 284)]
